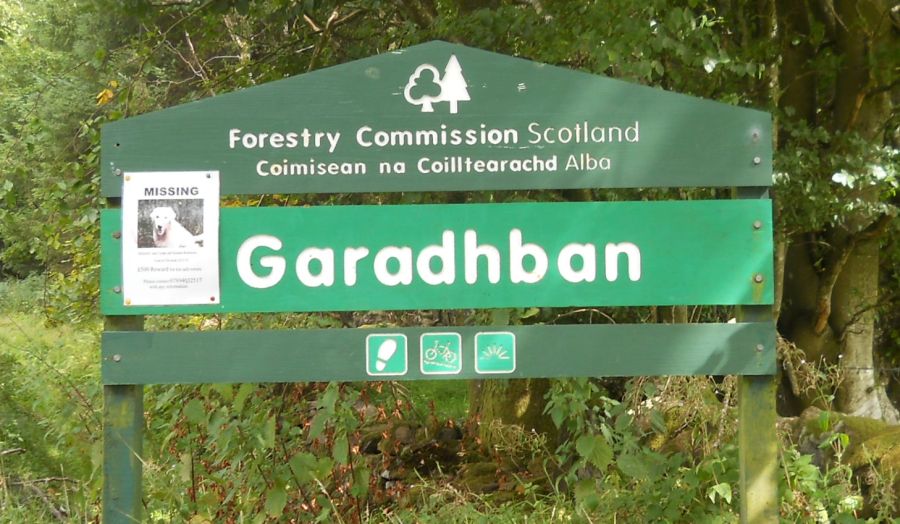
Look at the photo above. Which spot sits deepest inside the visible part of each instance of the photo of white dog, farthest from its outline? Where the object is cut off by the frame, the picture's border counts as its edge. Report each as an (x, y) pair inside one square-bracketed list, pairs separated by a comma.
[(168, 232)]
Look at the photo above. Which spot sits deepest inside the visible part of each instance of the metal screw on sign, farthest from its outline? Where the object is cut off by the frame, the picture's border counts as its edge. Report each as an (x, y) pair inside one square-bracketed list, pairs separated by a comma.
[(760, 348), (117, 358), (758, 278), (755, 136), (757, 161), (117, 235), (117, 289), (118, 172), (757, 224)]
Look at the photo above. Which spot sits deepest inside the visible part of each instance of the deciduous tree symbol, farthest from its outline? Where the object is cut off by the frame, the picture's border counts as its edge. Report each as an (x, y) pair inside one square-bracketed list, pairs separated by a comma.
[(425, 89)]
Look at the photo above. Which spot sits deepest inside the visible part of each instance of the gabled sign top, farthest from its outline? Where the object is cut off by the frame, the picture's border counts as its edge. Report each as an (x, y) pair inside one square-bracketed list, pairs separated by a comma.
[(439, 117)]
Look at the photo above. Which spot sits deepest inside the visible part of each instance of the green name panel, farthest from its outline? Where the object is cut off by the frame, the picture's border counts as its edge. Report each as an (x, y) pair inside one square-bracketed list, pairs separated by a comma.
[(438, 353), (477, 256), (442, 117)]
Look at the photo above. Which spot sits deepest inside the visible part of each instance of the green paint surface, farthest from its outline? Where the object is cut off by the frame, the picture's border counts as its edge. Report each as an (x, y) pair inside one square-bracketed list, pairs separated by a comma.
[(691, 252), (342, 355), (651, 138)]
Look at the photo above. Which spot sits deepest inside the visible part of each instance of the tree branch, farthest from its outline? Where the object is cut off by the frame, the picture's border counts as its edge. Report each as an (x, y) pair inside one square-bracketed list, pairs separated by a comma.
[(43, 496), (836, 265), (419, 13)]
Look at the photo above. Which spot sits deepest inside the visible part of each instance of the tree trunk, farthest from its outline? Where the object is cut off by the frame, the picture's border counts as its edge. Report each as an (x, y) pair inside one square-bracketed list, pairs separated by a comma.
[(498, 402), (830, 304), (863, 27), (856, 291)]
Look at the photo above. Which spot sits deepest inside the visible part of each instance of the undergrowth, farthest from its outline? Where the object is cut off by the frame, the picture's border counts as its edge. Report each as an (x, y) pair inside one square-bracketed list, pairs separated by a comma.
[(50, 418), (662, 451)]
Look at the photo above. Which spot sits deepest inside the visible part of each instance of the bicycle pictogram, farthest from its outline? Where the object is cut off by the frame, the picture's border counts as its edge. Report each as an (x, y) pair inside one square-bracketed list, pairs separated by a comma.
[(441, 353)]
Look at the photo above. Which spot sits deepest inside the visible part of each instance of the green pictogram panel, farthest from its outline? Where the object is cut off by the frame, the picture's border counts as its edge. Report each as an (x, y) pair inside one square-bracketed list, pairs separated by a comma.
[(589, 350), (495, 352), (386, 355), (440, 353)]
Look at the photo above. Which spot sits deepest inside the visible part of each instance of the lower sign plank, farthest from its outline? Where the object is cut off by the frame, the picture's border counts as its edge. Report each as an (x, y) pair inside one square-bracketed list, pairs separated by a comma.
[(469, 352), (479, 256)]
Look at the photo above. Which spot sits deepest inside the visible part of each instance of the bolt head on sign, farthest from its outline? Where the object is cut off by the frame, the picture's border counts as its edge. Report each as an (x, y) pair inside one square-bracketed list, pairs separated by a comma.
[(386, 355)]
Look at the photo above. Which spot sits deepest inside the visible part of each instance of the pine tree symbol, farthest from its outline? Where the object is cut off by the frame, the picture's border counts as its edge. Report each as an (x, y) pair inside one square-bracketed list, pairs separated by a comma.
[(453, 86), (426, 90)]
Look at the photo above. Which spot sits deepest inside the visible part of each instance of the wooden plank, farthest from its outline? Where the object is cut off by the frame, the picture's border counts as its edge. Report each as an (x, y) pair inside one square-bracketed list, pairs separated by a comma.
[(758, 449), (123, 425), (757, 440), (359, 114), (689, 252), (340, 354)]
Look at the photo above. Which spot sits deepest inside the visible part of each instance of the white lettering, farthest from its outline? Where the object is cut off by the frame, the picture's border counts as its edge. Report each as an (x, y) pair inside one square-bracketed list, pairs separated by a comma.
[(352, 256), (632, 255), (326, 271), (444, 253), (306, 138), (332, 140), (473, 251), (275, 263), (517, 254), (360, 136), (588, 254), (403, 275)]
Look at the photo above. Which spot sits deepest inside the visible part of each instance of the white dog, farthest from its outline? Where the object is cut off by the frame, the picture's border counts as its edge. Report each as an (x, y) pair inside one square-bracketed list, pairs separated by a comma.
[(167, 232)]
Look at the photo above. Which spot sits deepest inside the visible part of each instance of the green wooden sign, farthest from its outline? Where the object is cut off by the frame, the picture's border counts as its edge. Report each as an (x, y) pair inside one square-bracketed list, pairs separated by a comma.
[(478, 256), (443, 352), (445, 117), (441, 117)]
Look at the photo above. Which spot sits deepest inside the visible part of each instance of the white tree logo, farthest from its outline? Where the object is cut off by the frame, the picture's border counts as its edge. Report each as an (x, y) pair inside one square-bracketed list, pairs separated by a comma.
[(426, 86)]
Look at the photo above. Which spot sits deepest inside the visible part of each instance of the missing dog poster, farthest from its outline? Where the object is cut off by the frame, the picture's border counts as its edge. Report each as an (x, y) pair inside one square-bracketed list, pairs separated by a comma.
[(170, 238)]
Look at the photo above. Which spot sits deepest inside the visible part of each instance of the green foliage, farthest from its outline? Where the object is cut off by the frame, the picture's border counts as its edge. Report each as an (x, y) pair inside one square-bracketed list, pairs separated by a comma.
[(267, 452), (49, 140), (613, 467), (264, 451), (613, 473), (256, 451), (816, 495), (71, 68), (49, 413), (860, 180)]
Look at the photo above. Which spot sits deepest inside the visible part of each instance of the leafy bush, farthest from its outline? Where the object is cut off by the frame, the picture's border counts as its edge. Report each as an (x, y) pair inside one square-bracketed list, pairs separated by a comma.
[(50, 427)]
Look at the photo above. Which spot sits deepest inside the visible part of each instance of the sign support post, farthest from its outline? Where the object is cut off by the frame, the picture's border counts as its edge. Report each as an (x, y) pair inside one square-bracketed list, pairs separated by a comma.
[(123, 435), (757, 441), (758, 449)]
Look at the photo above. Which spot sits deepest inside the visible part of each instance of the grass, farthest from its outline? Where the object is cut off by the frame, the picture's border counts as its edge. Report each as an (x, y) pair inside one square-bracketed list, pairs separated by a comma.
[(49, 411), (450, 397), (437, 504)]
